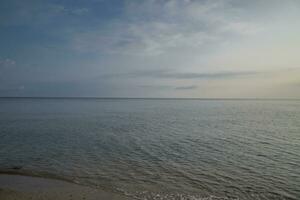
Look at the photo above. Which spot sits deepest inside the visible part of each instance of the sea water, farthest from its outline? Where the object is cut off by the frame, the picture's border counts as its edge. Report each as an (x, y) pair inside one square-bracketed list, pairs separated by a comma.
[(157, 148)]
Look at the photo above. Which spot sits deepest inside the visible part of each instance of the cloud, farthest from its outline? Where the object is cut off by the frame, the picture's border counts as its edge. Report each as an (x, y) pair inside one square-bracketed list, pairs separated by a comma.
[(156, 87), (216, 75), (7, 62), (66, 10), (79, 11), (190, 87), (168, 87), (152, 28), (12, 89), (32, 12), (171, 74), (150, 47)]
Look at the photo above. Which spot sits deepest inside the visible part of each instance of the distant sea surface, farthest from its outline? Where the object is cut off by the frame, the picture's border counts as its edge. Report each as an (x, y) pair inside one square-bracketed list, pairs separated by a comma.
[(157, 149)]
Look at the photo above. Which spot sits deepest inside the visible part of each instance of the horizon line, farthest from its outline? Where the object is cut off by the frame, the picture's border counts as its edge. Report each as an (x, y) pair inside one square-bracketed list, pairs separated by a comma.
[(149, 98)]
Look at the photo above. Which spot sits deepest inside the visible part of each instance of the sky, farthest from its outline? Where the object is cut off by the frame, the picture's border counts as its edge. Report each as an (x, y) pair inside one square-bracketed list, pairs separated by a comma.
[(150, 48)]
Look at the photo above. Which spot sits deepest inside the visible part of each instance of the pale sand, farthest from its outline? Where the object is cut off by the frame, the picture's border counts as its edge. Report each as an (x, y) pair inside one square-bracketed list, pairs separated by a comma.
[(18, 187)]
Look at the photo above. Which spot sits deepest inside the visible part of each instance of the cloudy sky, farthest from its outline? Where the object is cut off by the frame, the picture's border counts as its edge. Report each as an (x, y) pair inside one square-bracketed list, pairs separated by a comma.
[(150, 48)]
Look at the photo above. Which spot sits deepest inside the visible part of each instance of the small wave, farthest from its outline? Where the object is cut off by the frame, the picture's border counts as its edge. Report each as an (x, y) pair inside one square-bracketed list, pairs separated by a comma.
[(147, 195), (23, 172), (20, 171)]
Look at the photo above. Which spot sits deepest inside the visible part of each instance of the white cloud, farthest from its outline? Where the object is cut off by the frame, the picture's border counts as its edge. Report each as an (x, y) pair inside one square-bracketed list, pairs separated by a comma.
[(156, 27), (80, 11), (7, 62), (56, 9), (199, 40)]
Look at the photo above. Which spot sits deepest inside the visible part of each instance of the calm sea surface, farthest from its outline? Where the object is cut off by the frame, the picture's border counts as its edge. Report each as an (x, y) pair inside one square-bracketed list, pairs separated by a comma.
[(158, 149)]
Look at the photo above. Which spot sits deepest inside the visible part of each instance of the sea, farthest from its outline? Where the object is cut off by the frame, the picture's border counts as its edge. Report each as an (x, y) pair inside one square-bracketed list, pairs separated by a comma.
[(150, 149)]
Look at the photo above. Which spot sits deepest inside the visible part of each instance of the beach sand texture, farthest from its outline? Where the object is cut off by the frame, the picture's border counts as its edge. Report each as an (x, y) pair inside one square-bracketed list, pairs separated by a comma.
[(15, 187)]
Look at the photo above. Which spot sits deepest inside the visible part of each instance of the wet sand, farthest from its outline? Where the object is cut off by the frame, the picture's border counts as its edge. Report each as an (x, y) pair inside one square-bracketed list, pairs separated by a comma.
[(15, 187)]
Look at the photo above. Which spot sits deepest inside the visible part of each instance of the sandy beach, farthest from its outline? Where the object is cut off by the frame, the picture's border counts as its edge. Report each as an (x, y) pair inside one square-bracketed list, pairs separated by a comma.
[(14, 187)]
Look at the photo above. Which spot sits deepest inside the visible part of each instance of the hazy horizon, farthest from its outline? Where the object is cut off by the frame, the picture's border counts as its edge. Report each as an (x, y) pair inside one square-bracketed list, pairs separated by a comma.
[(150, 49), (150, 98)]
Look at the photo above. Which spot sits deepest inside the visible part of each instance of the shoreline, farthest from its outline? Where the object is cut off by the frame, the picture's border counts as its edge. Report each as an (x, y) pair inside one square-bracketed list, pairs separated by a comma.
[(14, 186), (19, 171)]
